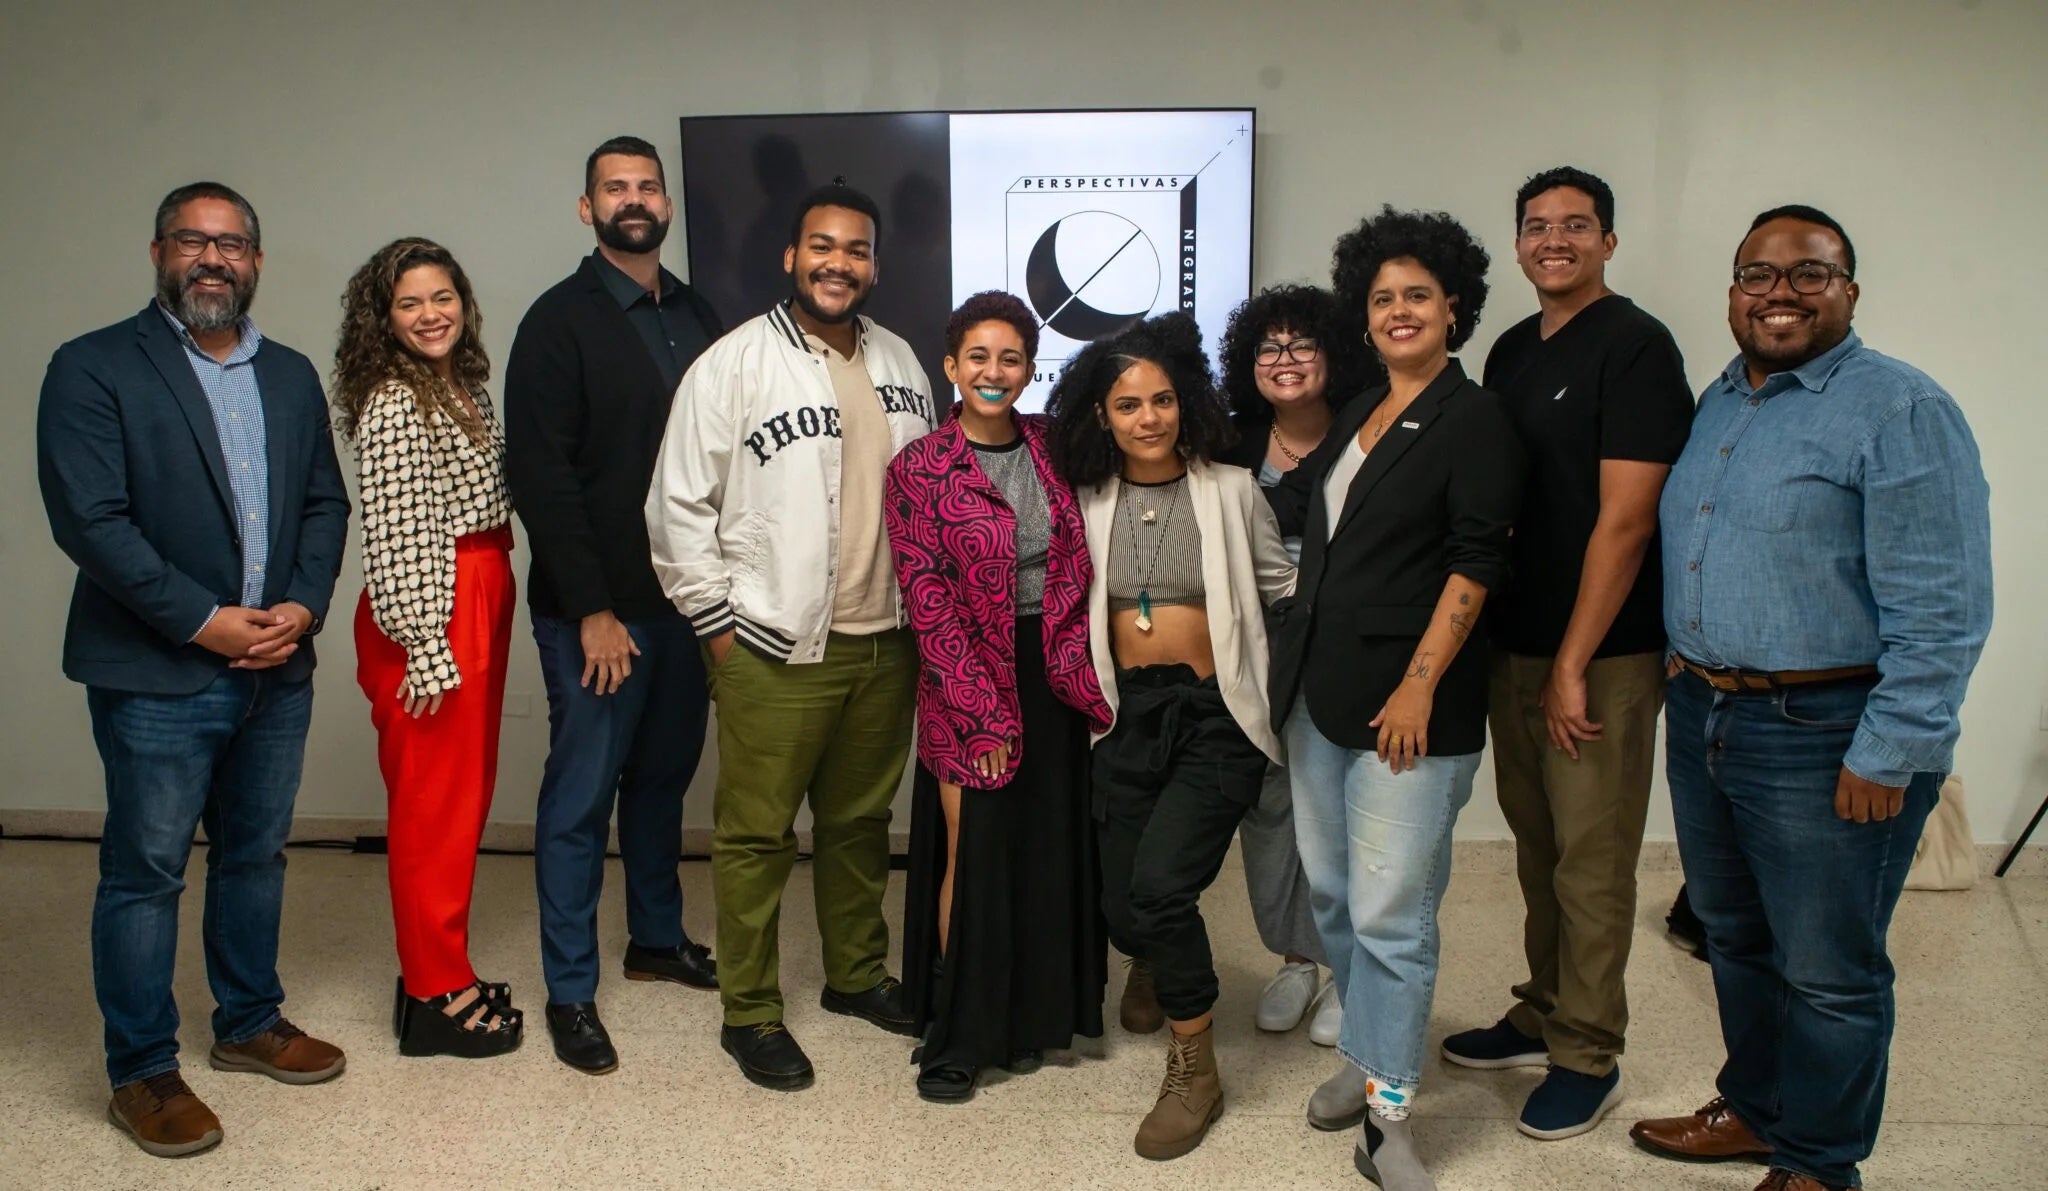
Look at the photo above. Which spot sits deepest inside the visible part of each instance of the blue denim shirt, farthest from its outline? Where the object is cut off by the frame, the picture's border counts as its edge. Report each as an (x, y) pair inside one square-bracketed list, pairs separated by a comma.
[(1836, 516), (237, 405)]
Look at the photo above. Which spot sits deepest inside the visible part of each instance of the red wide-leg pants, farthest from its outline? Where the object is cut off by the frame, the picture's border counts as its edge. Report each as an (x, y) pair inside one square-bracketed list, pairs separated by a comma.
[(440, 769)]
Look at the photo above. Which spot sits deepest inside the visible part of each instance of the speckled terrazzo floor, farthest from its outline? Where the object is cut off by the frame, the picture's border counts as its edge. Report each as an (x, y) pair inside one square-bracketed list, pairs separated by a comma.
[(1968, 1105)]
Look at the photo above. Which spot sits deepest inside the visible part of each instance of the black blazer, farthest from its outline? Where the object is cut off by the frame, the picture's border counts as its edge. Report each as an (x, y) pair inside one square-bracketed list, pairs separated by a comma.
[(1435, 498), (585, 408), (136, 489)]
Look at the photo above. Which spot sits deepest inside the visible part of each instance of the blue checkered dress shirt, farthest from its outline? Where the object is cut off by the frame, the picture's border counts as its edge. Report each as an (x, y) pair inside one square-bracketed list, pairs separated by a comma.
[(237, 406)]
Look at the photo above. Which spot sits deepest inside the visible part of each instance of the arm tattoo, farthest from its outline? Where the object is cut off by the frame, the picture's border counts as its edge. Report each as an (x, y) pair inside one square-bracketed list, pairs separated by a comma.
[(1461, 625), (1420, 667), (1464, 599)]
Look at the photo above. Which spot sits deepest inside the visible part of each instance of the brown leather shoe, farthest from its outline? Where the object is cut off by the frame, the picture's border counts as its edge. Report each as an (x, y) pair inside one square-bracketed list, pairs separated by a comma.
[(1785, 1180), (284, 1052), (1140, 1012), (1713, 1134), (1190, 1099), (164, 1117)]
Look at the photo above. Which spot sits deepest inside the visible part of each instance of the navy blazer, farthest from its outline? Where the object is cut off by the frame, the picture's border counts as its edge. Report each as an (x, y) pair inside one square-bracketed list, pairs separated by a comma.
[(137, 493)]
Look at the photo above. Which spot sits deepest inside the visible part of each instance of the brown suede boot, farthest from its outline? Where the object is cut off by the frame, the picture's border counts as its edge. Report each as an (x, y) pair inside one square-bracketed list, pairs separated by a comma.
[(284, 1052), (164, 1117), (1140, 1012), (1190, 1099)]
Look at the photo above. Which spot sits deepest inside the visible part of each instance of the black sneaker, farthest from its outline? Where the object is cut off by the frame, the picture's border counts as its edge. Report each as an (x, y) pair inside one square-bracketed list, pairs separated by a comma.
[(767, 1055), (580, 1038), (691, 964), (1686, 927), (880, 1006)]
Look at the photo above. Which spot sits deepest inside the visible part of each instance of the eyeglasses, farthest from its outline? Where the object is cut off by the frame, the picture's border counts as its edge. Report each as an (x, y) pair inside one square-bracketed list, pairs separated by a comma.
[(1301, 351), (189, 243), (1575, 228), (1807, 277)]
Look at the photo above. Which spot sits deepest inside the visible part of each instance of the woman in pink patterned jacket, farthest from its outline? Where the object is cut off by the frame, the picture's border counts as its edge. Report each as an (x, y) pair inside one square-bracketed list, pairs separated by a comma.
[(1003, 948)]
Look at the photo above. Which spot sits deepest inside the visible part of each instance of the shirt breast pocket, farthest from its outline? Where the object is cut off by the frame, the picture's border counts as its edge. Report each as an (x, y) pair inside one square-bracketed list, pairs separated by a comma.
[(1776, 498)]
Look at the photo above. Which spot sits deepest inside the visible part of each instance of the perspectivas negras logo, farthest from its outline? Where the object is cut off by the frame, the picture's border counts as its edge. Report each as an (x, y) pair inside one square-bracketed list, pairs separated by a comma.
[(1094, 254)]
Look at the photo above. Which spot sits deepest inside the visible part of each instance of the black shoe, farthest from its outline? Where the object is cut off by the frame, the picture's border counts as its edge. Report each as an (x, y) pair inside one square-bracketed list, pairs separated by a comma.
[(1024, 1062), (1686, 927), (689, 964), (580, 1038), (480, 1029), (947, 1083), (880, 1006), (767, 1055)]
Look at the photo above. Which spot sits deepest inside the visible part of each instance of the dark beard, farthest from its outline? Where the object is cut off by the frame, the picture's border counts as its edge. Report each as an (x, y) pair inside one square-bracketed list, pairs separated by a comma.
[(615, 237), (205, 313), (803, 301)]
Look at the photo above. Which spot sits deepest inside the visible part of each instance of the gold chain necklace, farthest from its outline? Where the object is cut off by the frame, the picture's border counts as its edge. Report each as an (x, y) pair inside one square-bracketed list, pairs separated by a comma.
[(1282, 444)]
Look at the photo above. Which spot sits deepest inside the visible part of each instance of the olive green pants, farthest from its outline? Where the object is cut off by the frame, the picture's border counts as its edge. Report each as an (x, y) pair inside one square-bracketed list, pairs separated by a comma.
[(1578, 829), (839, 730)]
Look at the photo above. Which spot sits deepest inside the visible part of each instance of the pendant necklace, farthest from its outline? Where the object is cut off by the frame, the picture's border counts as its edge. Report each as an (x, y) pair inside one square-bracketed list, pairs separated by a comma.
[(1144, 621)]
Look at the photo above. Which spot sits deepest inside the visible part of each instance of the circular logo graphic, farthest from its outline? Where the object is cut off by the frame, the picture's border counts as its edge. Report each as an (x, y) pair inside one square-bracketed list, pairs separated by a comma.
[(1091, 274)]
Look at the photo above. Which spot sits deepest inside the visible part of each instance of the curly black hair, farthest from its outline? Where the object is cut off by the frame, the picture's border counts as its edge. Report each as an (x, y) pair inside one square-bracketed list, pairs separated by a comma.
[(1304, 310), (1084, 450), (1434, 240), (1590, 185), (992, 306)]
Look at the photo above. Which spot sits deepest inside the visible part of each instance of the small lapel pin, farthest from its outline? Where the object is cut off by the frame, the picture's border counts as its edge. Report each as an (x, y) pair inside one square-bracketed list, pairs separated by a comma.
[(1411, 425)]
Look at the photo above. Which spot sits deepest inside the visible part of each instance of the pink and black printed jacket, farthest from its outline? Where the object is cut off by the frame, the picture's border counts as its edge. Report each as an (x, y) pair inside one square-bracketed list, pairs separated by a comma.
[(955, 542)]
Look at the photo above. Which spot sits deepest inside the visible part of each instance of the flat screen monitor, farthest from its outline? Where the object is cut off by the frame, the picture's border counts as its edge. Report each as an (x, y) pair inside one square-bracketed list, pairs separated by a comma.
[(1094, 218)]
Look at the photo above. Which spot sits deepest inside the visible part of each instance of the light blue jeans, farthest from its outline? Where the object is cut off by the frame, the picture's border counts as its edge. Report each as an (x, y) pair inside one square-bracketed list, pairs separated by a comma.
[(1376, 847)]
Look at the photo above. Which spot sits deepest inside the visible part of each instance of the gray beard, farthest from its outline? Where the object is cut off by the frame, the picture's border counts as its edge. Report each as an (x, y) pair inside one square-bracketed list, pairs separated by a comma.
[(206, 313)]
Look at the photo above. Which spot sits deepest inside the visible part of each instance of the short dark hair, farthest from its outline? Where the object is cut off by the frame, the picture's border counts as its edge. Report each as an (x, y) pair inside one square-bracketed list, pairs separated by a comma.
[(168, 209), (1084, 450), (1434, 240), (1803, 214), (621, 146), (835, 193), (1565, 175), (992, 306), (1305, 310)]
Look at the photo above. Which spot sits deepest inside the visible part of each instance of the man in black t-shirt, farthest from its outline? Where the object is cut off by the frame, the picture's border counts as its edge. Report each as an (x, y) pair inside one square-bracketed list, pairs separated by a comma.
[(1599, 392)]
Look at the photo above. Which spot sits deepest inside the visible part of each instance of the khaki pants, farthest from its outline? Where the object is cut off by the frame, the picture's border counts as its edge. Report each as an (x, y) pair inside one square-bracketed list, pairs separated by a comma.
[(839, 730), (1578, 830)]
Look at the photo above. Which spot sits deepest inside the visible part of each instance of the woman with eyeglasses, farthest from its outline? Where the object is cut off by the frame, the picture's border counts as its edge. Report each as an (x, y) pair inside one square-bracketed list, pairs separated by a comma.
[(1291, 359), (1185, 554), (1379, 660), (1004, 957), (434, 624)]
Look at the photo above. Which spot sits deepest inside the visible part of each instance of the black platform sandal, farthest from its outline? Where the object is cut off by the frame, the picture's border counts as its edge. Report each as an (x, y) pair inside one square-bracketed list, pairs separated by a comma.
[(481, 1029), (947, 1083), (497, 993)]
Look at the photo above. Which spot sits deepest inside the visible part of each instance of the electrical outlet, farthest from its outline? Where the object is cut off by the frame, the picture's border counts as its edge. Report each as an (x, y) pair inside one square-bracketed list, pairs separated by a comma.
[(520, 705)]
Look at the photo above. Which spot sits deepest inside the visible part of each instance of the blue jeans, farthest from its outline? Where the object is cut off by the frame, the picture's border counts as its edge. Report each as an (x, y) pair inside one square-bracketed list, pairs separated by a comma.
[(229, 758), (1796, 904), (1376, 847), (639, 746)]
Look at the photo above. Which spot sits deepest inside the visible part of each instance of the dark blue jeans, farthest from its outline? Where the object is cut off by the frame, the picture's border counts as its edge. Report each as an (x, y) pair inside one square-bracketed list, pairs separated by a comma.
[(1796, 904), (639, 746), (227, 758)]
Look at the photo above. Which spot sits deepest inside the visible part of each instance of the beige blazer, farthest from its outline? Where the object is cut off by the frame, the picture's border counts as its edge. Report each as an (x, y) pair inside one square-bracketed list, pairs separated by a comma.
[(1244, 568)]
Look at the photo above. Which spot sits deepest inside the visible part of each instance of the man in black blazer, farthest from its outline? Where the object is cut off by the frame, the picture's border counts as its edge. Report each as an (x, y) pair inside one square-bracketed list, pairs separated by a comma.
[(187, 468), (587, 390)]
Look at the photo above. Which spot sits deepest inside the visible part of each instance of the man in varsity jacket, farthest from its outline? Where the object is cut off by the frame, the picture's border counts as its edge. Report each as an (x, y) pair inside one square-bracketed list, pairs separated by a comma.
[(765, 519)]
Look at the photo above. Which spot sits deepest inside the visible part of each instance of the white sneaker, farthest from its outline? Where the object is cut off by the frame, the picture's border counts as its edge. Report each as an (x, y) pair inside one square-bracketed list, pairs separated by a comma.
[(1287, 996), (1328, 1021)]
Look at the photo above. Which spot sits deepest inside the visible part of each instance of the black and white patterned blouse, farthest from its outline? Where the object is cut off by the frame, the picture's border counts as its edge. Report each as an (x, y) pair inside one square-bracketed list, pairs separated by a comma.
[(424, 483)]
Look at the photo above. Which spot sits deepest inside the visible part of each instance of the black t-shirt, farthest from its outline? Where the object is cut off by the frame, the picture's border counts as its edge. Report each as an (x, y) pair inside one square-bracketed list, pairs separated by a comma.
[(1610, 384)]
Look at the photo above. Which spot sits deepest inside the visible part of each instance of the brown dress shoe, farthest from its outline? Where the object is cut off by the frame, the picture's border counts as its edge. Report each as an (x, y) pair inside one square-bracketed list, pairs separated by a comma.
[(284, 1052), (1713, 1134), (164, 1117), (1140, 1012), (1190, 1099), (1785, 1180)]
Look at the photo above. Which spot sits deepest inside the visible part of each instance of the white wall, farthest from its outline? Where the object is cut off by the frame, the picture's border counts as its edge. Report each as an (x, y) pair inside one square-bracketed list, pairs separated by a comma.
[(1916, 124)]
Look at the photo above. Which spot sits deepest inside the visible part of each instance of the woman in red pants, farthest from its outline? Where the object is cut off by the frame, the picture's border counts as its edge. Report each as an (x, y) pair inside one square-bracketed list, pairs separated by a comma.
[(435, 620)]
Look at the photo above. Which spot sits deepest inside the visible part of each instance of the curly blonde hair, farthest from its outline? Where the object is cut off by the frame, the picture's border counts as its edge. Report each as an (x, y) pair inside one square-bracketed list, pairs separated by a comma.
[(369, 356)]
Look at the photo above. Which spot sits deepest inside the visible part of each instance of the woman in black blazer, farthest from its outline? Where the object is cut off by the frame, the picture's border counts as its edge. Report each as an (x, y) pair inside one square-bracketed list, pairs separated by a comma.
[(1378, 672)]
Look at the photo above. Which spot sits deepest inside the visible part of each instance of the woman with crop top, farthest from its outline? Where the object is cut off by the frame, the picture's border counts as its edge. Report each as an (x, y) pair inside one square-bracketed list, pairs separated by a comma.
[(1003, 950), (1186, 554)]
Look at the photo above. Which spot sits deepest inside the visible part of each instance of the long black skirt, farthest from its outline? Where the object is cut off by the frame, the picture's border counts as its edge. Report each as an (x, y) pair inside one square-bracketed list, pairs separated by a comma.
[(1027, 960)]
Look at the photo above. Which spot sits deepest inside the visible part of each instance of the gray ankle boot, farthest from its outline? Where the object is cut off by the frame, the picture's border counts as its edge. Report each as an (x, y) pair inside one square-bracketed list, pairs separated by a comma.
[(1339, 1103), (1386, 1156)]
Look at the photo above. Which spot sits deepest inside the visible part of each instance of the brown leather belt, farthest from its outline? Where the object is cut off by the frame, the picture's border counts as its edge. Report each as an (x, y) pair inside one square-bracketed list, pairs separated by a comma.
[(1769, 680)]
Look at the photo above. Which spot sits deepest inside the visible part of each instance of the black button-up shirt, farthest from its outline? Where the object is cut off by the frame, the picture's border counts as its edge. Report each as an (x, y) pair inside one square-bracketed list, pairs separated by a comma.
[(667, 325)]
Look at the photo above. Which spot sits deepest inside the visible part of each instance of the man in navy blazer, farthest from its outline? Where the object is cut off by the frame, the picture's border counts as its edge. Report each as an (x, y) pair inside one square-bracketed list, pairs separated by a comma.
[(187, 468)]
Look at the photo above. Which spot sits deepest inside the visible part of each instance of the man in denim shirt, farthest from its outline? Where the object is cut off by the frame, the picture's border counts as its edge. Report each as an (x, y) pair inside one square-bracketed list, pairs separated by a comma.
[(1827, 560)]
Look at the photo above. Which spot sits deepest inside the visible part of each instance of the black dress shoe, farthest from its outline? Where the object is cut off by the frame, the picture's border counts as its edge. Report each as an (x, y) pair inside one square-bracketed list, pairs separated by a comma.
[(580, 1038), (880, 1006), (689, 964), (767, 1055)]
